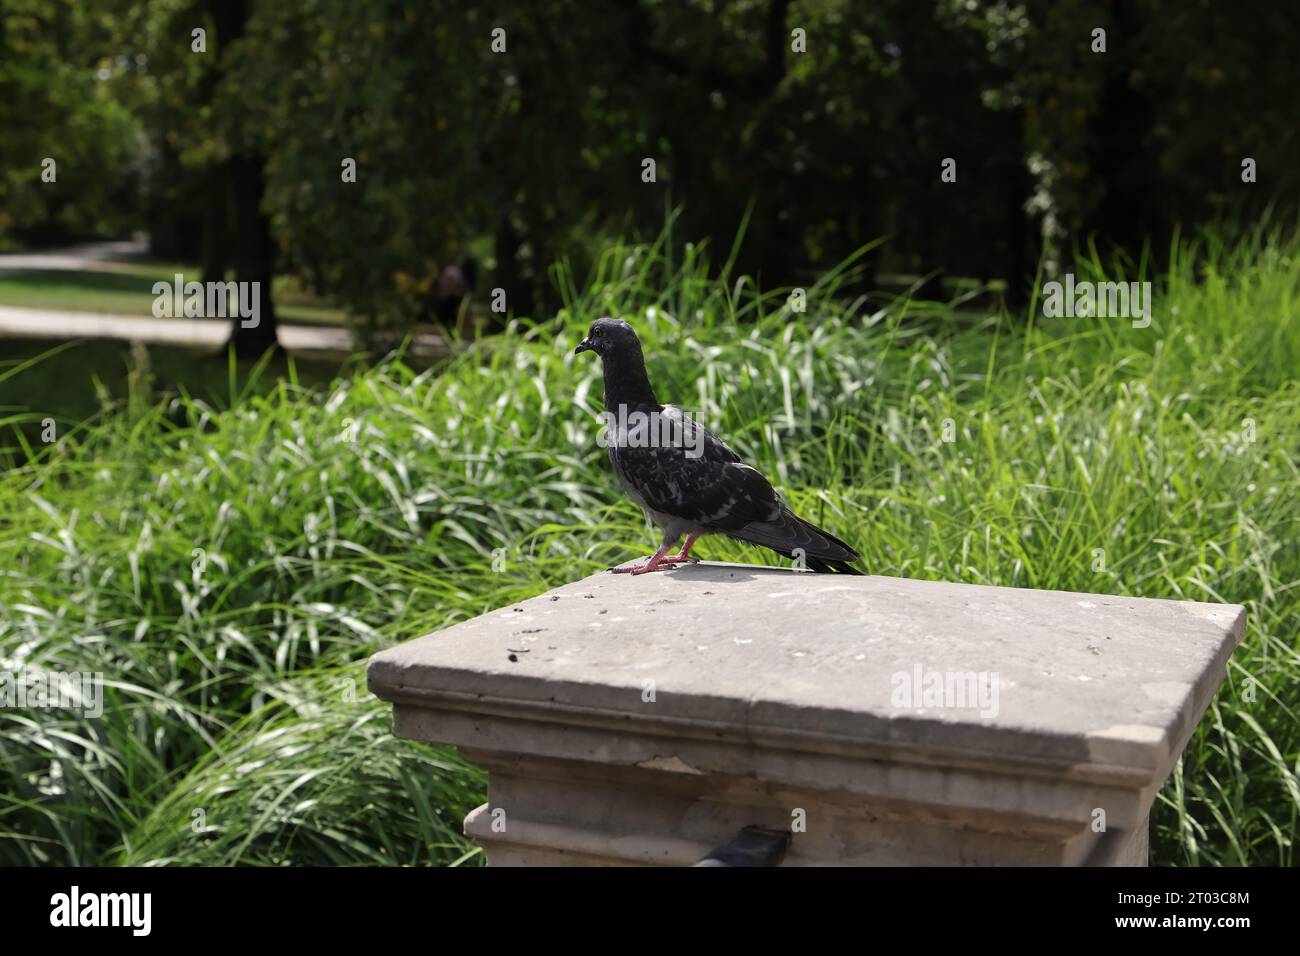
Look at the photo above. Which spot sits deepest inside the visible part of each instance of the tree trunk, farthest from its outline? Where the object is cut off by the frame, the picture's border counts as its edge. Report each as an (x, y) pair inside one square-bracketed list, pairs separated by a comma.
[(506, 248), (216, 226), (245, 182), (255, 257)]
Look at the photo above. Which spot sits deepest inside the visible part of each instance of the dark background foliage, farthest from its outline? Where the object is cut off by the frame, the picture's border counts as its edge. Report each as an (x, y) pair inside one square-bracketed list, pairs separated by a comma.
[(528, 156)]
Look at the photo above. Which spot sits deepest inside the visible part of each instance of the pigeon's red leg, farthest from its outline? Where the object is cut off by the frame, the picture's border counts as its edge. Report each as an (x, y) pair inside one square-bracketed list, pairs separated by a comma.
[(660, 560), (685, 554), (654, 563)]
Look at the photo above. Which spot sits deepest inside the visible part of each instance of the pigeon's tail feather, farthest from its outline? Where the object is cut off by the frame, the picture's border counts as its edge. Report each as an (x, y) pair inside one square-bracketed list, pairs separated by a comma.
[(789, 533), (832, 567)]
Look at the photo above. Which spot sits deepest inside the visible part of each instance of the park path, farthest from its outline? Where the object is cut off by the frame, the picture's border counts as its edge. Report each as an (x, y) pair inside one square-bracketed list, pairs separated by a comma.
[(86, 258), (16, 322), (50, 324)]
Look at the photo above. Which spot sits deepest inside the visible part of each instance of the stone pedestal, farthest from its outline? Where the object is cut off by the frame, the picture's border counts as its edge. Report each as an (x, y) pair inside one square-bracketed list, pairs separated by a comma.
[(646, 720)]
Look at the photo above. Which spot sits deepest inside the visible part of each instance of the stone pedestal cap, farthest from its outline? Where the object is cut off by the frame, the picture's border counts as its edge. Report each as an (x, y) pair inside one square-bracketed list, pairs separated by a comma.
[(965, 705)]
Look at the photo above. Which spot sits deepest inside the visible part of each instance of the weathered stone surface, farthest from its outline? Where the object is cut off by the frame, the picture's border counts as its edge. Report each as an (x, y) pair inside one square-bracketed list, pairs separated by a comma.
[(646, 719)]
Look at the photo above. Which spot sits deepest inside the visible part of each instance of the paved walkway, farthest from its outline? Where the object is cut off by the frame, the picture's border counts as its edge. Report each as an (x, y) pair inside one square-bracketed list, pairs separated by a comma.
[(27, 323), (92, 257), (18, 323)]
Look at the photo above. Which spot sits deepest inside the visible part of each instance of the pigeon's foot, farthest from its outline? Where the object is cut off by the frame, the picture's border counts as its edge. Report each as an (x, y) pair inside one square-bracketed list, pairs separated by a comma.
[(631, 566), (646, 565), (647, 568), (659, 561)]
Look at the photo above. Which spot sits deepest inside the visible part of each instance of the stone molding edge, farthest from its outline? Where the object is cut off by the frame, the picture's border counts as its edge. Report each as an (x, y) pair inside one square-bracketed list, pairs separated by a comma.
[(775, 738)]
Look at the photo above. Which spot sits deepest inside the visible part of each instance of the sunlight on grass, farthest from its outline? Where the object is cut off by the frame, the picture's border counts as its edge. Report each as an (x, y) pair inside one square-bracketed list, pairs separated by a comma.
[(228, 570)]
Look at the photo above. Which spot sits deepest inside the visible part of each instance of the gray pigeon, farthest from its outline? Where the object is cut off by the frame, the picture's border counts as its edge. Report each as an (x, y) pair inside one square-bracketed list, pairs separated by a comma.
[(686, 480)]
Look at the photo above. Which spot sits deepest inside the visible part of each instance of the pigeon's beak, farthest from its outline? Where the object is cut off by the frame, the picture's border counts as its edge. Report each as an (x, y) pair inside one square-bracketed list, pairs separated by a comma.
[(583, 346)]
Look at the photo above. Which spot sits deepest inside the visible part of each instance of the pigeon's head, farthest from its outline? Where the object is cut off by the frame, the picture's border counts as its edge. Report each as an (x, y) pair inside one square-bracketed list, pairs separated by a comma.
[(608, 337)]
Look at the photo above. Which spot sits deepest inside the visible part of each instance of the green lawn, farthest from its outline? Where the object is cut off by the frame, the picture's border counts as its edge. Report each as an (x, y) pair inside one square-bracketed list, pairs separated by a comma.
[(126, 288), (229, 570)]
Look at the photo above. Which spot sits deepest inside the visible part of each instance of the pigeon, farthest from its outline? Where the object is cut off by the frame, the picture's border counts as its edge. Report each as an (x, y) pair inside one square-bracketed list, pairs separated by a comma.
[(686, 480)]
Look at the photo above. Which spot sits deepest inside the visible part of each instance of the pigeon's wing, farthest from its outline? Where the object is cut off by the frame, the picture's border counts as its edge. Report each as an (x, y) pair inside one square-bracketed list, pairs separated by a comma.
[(695, 477)]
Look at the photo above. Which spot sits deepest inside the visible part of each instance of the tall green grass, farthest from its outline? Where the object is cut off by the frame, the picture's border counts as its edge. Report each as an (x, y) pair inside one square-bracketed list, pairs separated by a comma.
[(228, 569)]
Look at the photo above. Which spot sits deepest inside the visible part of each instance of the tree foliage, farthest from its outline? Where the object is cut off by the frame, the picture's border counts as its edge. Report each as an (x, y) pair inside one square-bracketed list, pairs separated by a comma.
[(519, 132)]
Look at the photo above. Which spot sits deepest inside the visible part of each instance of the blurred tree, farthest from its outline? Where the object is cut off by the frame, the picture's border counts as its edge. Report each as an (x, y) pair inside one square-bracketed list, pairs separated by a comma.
[(376, 149), (56, 61)]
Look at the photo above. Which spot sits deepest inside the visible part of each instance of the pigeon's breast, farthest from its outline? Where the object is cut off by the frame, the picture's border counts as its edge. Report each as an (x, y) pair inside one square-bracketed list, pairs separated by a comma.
[(659, 518)]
